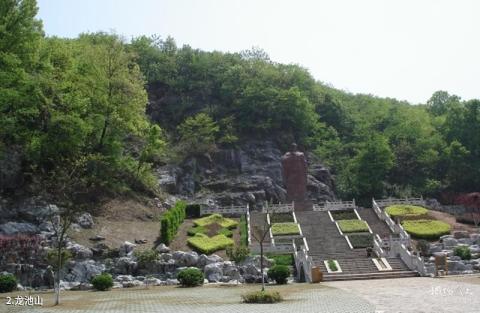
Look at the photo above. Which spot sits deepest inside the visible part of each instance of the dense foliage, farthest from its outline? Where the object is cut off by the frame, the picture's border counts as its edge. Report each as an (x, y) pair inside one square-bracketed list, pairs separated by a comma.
[(8, 283), (237, 253), (282, 259), (361, 240), (279, 273), (204, 244), (190, 277), (77, 108), (171, 220), (102, 282), (426, 229), (343, 215), (262, 297), (463, 252)]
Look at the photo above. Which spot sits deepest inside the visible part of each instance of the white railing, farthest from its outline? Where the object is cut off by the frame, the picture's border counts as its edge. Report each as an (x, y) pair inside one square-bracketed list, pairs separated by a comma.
[(270, 233), (377, 246), (277, 208), (394, 227), (392, 201), (278, 248), (239, 209), (303, 260), (335, 205), (413, 262), (248, 226)]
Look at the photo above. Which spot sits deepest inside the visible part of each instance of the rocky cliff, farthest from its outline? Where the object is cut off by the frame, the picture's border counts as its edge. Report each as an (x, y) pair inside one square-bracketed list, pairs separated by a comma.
[(250, 173)]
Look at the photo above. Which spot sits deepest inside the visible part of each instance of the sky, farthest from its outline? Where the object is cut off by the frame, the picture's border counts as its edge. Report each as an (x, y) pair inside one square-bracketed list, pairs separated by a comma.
[(399, 49)]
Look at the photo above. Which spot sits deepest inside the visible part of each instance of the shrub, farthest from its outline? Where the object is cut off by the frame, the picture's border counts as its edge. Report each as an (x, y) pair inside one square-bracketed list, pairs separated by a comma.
[(423, 246), (353, 226), (102, 282), (282, 259), (343, 215), (361, 240), (281, 218), (226, 232), (196, 230), (332, 265), (216, 218), (463, 252), (283, 229), (426, 229), (237, 253), (406, 211), (8, 283), (171, 220), (190, 277), (279, 273), (243, 231), (208, 245), (146, 256), (262, 297)]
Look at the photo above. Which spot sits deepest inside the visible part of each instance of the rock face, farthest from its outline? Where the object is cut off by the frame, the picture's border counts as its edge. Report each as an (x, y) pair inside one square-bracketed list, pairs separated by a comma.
[(251, 173)]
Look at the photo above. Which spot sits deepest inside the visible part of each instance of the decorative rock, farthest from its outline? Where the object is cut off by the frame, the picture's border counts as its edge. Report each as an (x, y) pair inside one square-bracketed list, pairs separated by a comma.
[(80, 252), (126, 249), (190, 258), (83, 271), (13, 228), (66, 285), (97, 238), (204, 260), (82, 286), (162, 248), (171, 282), (214, 272), (133, 283), (125, 265), (152, 281), (458, 234), (166, 257), (124, 278), (85, 220), (449, 242)]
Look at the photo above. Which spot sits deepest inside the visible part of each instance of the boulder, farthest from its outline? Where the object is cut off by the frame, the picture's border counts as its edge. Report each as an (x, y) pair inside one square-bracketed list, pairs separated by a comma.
[(125, 265), (255, 260), (82, 286), (171, 282), (85, 220), (166, 257), (133, 283), (79, 252), (213, 272), (14, 228), (152, 281), (458, 234), (126, 249), (205, 260), (449, 242), (190, 259), (67, 285), (83, 271), (124, 278), (162, 248), (231, 271)]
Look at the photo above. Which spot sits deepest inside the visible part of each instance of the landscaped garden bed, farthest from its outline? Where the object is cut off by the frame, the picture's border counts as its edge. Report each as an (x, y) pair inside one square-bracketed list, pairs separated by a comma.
[(332, 266), (343, 215), (406, 211), (426, 229), (353, 226), (216, 219), (284, 229), (204, 244), (361, 240), (281, 218), (282, 259)]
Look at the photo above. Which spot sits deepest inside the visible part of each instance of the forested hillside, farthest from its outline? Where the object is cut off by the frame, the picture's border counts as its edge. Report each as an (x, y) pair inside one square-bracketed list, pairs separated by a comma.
[(96, 113)]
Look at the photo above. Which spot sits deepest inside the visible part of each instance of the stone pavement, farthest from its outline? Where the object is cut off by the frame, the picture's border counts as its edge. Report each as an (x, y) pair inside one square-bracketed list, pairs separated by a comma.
[(300, 298)]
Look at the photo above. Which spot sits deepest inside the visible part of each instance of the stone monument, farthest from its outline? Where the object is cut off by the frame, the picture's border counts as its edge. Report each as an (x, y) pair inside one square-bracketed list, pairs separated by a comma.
[(294, 167)]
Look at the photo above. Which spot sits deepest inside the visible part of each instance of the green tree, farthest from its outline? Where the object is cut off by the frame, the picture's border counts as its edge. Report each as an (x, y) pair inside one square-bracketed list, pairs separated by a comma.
[(197, 134)]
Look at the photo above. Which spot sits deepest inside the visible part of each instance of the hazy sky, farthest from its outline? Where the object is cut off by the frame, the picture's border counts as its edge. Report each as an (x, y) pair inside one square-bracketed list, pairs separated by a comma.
[(403, 49)]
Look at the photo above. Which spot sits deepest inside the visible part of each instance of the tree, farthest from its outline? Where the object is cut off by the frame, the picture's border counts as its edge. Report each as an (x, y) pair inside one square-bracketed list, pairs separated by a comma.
[(197, 134)]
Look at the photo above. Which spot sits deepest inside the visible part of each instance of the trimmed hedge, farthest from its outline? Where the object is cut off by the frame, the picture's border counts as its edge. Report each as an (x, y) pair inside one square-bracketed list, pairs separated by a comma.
[(283, 229), (281, 218), (202, 230), (406, 211), (361, 240), (426, 229), (171, 220), (353, 226), (190, 277), (102, 282), (343, 215), (204, 244), (279, 273), (262, 297), (216, 218), (8, 283)]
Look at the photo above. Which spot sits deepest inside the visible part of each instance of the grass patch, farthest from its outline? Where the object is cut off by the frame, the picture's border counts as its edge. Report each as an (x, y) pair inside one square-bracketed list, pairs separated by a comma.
[(281, 218), (206, 231), (332, 265), (426, 229), (262, 297), (204, 244), (406, 211), (343, 215), (283, 229), (218, 219), (243, 231), (353, 226), (282, 259), (361, 240)]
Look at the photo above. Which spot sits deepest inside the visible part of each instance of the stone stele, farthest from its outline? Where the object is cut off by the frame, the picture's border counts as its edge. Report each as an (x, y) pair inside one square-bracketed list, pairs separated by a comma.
[(294, 166)]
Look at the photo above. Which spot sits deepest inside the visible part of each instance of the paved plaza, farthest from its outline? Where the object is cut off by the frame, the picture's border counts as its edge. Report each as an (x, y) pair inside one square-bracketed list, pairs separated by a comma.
[(387, 296)]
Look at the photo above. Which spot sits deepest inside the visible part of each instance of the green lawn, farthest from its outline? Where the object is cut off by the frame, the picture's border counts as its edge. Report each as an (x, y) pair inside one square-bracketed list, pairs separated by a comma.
[(204, 244), (426, 229), (353, 226), (406, 211), (216, 218), (283, 229)]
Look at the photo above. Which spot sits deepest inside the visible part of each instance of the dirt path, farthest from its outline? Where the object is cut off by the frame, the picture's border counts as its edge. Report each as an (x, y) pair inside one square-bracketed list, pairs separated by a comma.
[(450, 219)]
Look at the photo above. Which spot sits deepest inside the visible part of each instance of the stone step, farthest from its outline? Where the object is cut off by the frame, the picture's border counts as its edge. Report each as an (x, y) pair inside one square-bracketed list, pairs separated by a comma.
[(378, 275)]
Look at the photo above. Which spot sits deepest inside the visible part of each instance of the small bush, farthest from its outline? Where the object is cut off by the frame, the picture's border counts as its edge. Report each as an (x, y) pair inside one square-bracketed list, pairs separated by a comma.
[(208, 245), (343, 215), (353, 226), (196, 230), (218, 219), (190, 277), (406, 211), (361, 240), (8, 283), (262, 297), (237, 253), (226, 232), (102, 282), (463, 252), (332, 265), (279, 273), (426, 229), (284, 229), (146, 256), (282, 259), (281, 218)]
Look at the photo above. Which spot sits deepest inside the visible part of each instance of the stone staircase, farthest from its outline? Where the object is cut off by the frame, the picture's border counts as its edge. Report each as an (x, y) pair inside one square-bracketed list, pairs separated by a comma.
[(326, 243)]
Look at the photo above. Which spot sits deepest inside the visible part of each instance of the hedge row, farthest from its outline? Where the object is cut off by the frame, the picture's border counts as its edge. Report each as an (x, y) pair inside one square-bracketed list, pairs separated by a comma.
[(284, 229), (426, 229), (353, 226), (204, 244), (170, 222)]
